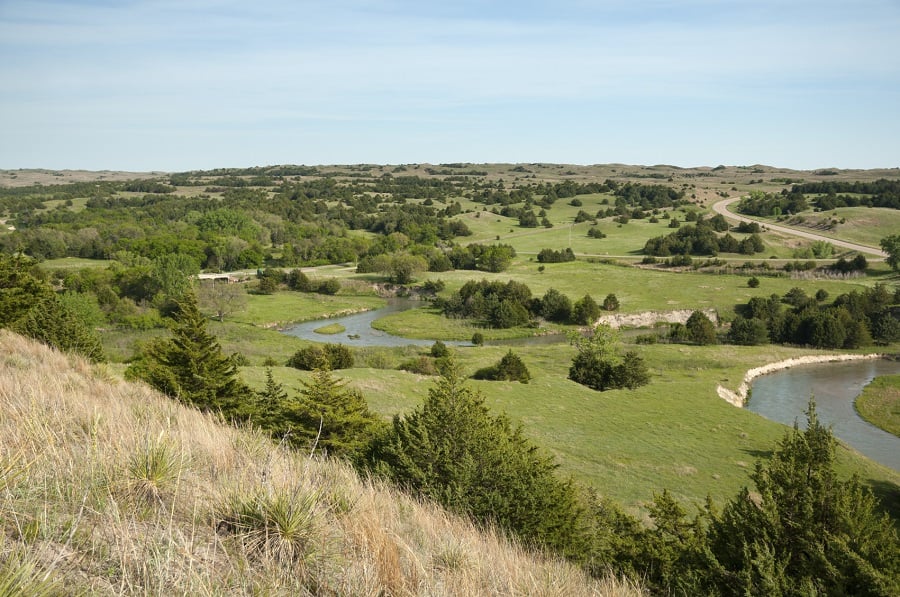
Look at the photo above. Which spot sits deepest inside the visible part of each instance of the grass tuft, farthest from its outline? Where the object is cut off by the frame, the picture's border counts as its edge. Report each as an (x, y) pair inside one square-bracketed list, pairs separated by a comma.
[(277, 524)]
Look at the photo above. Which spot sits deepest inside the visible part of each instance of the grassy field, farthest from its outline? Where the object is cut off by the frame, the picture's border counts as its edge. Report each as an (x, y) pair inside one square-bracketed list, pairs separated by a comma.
[(637, 290), (879, 403), (282, 308), (624, 241), (674, 433), (863, 225), (73, 263)]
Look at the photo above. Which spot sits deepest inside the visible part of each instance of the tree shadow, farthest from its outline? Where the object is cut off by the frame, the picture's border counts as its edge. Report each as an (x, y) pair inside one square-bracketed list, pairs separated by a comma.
[(758, 454), (888, 495)]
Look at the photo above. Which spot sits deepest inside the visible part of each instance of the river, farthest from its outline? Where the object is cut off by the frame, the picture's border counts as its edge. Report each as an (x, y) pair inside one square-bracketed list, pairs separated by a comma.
[(783, 396), (359, 330)]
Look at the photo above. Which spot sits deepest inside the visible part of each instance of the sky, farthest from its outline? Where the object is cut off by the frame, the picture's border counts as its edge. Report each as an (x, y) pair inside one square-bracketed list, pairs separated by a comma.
[(177, 85)]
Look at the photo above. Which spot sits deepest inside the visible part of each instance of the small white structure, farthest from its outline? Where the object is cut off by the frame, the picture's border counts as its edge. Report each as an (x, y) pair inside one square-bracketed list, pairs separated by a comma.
[(226, 277)]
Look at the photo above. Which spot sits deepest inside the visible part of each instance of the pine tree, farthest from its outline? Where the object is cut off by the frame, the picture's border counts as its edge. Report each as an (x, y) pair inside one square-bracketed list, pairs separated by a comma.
[(335, 418), (804, 531), (452, 450), (53, 323), (20, 289), (191, 367)]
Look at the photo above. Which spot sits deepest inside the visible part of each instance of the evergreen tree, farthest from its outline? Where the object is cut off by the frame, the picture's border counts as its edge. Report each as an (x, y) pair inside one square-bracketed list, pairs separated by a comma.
[(190, 365), (20, 288), (55, 324), (700, 329), (804, 532), (270, 402), (452, 450), (336, 419), (585, 311)]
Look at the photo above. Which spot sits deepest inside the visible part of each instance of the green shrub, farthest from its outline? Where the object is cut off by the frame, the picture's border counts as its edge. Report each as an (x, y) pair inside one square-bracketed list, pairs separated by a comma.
[(509, 368), (328, 356)]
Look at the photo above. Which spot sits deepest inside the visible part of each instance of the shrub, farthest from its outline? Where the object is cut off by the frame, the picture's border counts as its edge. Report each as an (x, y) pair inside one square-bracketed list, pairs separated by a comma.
[(421, 366), (610, 303), (748, 332), (329, 286), (585, 311), (753, 282), (510, 368), (555, 306), (700, 329), (478, 339), (327, 356), (439, 349)]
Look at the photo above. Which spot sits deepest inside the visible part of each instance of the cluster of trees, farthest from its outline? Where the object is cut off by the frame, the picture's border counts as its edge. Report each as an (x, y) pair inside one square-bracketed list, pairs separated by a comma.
[(555, 256), (701, 239), (880, 193), (504, 305), (763, 204), (297, 223), (855, 319), (599, 366), (29, 306)]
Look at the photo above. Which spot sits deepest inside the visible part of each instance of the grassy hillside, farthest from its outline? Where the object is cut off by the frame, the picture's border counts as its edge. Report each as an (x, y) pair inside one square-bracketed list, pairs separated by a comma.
[(109, 488)]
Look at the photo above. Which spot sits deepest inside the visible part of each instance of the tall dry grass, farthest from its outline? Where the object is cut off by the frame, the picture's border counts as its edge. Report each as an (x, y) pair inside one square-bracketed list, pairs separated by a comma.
[(107, 487)]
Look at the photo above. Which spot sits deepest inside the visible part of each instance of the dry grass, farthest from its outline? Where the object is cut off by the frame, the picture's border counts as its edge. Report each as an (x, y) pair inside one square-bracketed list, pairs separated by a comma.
[(109, 488)]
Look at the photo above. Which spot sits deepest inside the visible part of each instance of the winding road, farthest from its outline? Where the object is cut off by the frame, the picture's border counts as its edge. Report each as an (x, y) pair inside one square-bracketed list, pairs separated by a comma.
[(721, 207)]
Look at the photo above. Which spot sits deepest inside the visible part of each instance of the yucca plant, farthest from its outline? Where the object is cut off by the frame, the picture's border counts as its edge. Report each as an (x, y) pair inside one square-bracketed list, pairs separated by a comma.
[(20, 576), (153, 470), (278, 524)]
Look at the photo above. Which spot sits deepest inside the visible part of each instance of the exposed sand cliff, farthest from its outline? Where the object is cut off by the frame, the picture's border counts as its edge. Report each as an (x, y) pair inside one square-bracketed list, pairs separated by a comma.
[(739, 397)]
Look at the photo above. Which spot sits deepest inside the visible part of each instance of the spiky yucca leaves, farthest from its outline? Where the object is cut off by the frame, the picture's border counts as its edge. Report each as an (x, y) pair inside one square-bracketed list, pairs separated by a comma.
[(278, 524), (153, 471), (20, 575)]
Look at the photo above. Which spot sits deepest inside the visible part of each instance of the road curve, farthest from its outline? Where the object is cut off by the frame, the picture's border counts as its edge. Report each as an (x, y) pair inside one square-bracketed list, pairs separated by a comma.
[(721, 207)]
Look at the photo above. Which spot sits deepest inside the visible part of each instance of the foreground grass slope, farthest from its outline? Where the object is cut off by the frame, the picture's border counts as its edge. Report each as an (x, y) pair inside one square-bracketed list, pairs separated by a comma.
[(109, 488)]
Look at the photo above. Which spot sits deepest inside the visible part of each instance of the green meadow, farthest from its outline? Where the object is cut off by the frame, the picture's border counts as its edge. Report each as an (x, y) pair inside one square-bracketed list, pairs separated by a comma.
[(675, 433)]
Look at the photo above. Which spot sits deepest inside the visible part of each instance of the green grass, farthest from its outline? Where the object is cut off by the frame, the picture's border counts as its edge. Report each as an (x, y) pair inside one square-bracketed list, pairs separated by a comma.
[(863, 225), (287, 307), (330, 329), (428, 323), (879, 403), (637, 290), (622, 240), (674, 433), (73, 263)]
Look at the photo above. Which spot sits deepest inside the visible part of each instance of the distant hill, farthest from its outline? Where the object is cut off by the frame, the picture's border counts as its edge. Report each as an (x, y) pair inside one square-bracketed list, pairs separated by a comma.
[(107, 487)]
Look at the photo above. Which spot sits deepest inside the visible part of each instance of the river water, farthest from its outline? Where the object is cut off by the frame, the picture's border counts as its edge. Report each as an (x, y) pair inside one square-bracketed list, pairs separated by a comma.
[(783, 396), (359, 330)]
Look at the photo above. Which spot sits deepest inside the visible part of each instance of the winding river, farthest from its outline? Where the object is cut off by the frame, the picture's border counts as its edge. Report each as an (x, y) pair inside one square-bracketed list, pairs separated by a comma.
[(359, 330), (783, 397), (780, 396)]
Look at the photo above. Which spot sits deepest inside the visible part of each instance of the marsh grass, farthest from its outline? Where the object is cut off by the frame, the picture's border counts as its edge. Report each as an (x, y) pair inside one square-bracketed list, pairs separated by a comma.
[(83, 453)]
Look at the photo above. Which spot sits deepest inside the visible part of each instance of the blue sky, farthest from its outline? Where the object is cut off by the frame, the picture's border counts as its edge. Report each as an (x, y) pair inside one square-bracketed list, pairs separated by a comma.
[(181, 84)]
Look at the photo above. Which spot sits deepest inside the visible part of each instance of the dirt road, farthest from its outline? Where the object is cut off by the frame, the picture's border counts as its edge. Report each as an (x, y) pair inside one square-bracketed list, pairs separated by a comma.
[(721, 207)]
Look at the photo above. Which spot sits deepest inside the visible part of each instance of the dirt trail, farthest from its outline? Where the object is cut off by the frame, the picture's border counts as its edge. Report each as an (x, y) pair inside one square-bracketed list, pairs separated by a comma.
[(721, 207)]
